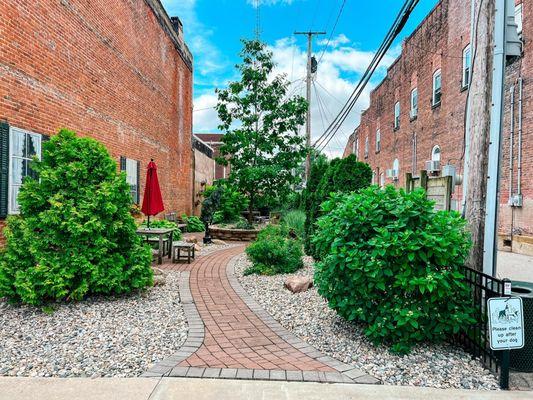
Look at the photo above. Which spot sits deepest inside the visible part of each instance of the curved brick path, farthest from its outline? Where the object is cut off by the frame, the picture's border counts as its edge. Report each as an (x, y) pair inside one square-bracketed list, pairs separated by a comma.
[(231, 336)]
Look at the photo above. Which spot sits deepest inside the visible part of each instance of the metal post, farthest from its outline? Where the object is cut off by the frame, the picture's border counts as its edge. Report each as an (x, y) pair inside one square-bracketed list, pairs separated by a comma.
[(308, 97), (496, 123)]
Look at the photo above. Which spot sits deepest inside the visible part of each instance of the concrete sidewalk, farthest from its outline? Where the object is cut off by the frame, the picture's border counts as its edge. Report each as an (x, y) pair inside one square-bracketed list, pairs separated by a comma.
[(219, 389)]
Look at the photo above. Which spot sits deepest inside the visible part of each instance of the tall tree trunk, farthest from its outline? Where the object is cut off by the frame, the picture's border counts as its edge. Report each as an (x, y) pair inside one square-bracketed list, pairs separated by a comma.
[(480, 108)]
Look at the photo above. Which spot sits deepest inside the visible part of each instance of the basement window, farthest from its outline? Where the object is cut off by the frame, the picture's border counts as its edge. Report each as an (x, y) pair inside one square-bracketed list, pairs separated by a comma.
[(437, 88)]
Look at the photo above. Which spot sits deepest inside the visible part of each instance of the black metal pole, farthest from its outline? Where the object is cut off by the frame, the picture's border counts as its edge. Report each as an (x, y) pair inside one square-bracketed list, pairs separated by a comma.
[(504, 371)]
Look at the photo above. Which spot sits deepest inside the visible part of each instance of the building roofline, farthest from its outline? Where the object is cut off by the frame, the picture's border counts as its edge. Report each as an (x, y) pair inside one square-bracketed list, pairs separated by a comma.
[(165, 22)]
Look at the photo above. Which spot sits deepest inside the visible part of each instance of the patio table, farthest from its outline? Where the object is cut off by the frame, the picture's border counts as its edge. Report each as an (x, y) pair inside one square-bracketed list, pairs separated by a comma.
[(161, 233)]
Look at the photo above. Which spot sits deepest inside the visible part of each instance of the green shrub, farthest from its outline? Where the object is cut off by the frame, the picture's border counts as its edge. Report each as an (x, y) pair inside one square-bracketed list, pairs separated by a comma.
[(232, 202), (194, 224), (393, 263), (294, 221), (75, 235), (243, 223), (343, 175), (274, 253), (163, 223)]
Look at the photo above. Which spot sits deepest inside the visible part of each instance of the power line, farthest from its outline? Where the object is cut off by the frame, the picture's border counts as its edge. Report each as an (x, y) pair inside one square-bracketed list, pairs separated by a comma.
[(393, 32), (332, 31)]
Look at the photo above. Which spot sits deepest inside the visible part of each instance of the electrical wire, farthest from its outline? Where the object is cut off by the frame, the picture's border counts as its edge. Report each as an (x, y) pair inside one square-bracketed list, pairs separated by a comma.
[(332, 31), (393, 32)]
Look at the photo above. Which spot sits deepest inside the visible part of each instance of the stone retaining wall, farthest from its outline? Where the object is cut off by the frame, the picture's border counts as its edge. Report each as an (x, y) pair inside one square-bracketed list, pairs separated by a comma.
[(230, 234)]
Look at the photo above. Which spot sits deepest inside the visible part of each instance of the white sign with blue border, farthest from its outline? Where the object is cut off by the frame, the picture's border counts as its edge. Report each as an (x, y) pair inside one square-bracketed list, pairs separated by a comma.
[(506, 323)]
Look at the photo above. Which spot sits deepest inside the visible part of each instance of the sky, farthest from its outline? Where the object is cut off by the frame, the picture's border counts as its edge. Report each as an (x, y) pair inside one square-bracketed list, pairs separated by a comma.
[(213, 29)]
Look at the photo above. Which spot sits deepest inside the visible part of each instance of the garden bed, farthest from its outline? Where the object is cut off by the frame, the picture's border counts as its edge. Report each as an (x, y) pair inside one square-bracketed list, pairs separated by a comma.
[(120, 337), (308, 316)]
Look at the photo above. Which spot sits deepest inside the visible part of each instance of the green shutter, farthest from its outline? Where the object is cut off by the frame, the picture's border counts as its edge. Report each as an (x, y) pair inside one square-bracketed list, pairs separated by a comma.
[(4, 168), (138, 182)]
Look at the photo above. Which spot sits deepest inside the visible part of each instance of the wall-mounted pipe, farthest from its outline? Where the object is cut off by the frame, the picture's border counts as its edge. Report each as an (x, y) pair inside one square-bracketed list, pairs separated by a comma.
[(519, 155), (511, 146)]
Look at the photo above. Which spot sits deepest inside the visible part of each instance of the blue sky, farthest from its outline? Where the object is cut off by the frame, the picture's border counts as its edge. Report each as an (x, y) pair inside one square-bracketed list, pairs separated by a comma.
[(213, 29)]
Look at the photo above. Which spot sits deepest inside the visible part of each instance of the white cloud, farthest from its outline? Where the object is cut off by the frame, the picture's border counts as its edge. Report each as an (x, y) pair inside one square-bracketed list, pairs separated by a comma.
[(204, 114), (334, 42)]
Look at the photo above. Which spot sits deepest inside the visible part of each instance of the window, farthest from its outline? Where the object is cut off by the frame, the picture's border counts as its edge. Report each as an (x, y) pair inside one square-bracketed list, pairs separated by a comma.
[(131, 167), (518, 18), (414, 103), (397, 115), (396, 168), (378, 141), (373, 177), (466, 66), (23, 146), (437, 86), (355, 149), (435, 153), (382, 180), (366, 147), (414, 161)]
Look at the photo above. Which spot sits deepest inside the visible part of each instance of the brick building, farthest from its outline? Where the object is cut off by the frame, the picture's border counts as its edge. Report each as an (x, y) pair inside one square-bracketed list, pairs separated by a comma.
[(416, 114), (118, 71), (204, 171), (214, 140)]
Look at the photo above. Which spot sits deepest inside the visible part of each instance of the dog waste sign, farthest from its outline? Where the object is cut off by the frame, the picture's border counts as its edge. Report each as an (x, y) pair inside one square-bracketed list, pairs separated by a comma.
[(506, 323)]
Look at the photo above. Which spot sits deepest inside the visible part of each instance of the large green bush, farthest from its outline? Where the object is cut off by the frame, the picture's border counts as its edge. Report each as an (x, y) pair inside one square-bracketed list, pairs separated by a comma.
[(194, 224), (343, 175), (232, 202), (393, 263), (75, 235), (274, 252)]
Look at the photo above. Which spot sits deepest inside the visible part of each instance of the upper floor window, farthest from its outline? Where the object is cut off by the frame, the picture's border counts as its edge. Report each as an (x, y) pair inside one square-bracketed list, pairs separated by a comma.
[(437, 88), (23, 147), (414, 103), (355, 148), (378, 141), (467, 64), (366, 147), (518, 18), (397, 115), (435, 153)]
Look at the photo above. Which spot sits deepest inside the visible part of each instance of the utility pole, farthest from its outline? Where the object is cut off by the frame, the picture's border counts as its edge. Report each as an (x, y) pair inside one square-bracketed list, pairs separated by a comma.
[(309, 35), (478, 127), (496, 39)]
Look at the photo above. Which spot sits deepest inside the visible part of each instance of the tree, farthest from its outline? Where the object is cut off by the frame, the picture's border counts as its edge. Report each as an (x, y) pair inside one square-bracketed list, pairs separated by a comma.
[(75, 235), (261, 124)]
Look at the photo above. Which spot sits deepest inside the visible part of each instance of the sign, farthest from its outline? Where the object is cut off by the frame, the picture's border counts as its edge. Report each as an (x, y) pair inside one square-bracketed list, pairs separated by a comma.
[(506, 323)]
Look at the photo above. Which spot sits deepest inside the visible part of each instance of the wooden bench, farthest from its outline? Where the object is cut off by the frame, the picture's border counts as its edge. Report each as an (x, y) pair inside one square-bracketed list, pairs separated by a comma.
[(177, 247)]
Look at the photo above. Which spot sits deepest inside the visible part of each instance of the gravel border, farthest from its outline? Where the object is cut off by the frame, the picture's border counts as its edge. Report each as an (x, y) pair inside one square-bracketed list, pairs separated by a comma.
[(308, 316), (99, 337)]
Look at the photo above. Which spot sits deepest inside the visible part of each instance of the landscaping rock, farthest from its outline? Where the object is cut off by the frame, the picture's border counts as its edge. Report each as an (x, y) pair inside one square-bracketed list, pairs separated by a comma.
[(197, 247), (219, 242), (191, 239), (159, 280), (120, 336), (298, 284), (308, 316)]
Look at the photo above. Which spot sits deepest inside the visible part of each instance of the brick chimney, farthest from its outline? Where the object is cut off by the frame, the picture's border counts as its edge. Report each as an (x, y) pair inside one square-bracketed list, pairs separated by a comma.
[(178, 26)]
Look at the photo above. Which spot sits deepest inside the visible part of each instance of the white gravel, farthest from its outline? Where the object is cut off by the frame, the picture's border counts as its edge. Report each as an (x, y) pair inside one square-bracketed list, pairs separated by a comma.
[(308, 316), (120, 337)]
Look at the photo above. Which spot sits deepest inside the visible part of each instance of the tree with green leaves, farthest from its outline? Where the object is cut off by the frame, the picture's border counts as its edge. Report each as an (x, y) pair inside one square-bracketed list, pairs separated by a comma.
[(261, 123), (75, 235)]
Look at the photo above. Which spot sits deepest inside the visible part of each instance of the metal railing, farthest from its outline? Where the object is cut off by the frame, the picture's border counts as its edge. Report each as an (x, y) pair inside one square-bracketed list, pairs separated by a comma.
[(475, 340)]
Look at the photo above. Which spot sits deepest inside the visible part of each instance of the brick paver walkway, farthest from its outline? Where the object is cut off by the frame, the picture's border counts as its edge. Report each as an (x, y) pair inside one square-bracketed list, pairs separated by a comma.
[(231, 337)]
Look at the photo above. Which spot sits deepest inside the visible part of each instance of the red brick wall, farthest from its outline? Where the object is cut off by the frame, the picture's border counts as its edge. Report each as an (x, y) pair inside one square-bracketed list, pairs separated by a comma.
[(106, 69), (439, 41)]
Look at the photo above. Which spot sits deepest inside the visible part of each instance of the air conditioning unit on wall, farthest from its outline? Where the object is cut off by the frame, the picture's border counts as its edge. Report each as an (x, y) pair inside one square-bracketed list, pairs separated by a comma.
[(432, 166)]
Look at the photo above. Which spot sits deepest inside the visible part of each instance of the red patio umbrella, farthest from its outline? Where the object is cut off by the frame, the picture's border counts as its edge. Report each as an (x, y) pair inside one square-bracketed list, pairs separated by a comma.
[(152, 200)]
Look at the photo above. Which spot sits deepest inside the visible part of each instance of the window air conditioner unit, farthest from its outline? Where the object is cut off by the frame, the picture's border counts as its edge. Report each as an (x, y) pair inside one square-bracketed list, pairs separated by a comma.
[(432, 166), (392, 174)]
